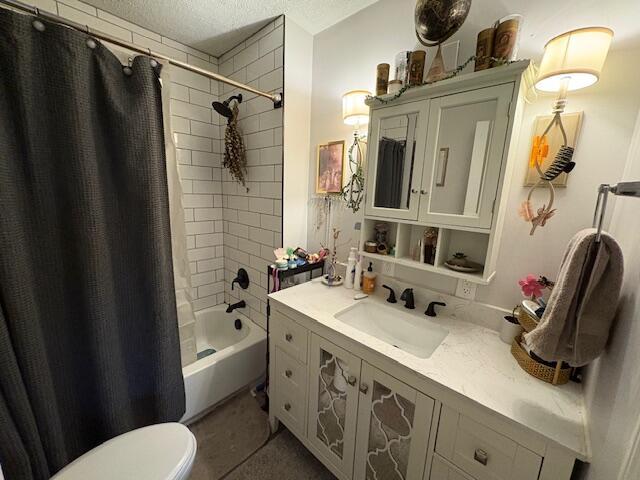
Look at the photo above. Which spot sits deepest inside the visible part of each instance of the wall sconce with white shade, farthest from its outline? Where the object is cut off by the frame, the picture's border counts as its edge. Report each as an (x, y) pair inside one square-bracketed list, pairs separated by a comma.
[(354, 109), (571, 61), (355, 112)]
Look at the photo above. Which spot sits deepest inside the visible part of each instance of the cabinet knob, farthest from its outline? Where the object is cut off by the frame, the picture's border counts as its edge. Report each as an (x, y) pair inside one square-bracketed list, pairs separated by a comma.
[(288, 337), (413, 190), (481, 456), (423, 192), (288, 373), (364, 388), (351, 380), (287, 406)]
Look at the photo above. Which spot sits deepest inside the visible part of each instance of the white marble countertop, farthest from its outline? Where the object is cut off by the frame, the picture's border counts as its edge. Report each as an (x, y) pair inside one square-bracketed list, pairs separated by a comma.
[(472, 361)]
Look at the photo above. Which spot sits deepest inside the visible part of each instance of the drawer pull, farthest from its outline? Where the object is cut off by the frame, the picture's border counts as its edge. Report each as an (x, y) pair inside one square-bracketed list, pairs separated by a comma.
[(288, 373), (481, 456), (288, 337), (287, 406), (364, 388), (351, 380)]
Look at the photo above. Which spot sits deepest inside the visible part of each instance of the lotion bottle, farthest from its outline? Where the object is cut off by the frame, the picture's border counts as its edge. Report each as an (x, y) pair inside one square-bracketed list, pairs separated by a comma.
[(351, 265), (357, 279)]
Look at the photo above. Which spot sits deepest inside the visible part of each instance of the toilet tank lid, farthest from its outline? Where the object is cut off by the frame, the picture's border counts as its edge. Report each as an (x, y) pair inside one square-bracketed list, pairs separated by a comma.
[(158, 452)]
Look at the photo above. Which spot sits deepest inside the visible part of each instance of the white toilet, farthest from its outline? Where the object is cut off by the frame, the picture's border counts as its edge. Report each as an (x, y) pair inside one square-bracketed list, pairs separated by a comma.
[(158, 452)]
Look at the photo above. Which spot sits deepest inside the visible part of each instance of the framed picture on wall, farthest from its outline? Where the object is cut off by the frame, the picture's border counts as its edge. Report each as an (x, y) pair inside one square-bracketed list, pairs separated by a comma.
[(330, 168)]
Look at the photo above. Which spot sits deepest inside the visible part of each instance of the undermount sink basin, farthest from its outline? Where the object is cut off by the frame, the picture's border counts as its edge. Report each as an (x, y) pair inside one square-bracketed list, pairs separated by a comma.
[(416, 335)]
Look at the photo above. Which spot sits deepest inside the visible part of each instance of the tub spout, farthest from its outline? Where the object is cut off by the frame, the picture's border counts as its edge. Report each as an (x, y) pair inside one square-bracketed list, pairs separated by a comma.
[(240, 304)]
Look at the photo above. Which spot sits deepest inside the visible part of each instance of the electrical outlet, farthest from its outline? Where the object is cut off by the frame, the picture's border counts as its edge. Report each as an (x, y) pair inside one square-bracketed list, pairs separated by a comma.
[(388, 269), (466, 289)]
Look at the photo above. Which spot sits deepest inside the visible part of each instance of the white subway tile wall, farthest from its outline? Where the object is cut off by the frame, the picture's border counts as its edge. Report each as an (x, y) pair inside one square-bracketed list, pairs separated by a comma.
[(252, 221), (196, 132)]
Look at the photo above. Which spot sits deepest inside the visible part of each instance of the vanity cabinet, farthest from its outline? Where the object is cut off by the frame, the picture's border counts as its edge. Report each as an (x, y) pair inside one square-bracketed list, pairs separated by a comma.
[(394, 422), (440, 157), (334, 377), (365, 419)]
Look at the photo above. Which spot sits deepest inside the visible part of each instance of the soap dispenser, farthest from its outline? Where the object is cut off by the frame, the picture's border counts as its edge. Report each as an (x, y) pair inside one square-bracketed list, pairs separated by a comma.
[(369, 280)]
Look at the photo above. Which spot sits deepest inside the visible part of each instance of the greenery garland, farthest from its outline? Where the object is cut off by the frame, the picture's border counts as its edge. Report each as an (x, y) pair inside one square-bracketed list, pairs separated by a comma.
[(498, 62)]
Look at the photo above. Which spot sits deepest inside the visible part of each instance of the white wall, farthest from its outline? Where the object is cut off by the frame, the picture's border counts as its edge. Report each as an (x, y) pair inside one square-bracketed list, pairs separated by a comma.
[(613, 382), (345, 58), (298, 54)]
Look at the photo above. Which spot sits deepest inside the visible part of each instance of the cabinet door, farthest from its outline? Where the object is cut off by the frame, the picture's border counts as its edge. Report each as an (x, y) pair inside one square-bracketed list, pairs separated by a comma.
[(333, 402), (464, 156), (394, 423), (395, 158)]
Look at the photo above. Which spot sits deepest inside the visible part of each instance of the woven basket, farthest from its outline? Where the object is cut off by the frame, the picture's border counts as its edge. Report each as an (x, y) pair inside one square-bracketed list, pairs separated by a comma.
[(527, 321), (555, 376)]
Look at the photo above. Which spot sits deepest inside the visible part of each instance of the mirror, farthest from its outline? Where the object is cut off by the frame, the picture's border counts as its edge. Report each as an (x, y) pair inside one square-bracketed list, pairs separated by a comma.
[(394, 166), (464, 137)]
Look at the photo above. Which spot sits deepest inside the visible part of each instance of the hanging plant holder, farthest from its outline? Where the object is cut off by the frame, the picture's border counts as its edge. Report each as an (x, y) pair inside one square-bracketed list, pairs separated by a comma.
[(353, 192)]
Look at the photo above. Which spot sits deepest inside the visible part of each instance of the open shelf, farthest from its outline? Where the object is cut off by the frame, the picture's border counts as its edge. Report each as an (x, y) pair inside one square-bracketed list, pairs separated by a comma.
[(405, 237)]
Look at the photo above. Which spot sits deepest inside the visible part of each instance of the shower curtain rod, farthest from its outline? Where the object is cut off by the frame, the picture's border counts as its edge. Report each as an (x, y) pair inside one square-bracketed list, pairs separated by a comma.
[(276, 98)]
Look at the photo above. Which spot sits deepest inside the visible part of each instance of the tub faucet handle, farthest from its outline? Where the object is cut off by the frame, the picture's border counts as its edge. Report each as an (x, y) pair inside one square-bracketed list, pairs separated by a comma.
[(242, 279)]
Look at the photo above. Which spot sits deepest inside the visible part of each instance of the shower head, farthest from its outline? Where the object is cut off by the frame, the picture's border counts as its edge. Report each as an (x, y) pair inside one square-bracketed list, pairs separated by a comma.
[(223, 107)]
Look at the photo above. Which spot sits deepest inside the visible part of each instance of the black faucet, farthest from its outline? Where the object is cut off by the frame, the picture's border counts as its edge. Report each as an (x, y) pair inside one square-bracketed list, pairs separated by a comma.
[(392, 294), (431, 310), (242, 279), (407, 296), (240, 304)]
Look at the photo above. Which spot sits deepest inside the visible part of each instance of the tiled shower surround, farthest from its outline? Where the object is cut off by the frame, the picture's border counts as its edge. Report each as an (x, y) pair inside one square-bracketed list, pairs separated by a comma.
[(227, 227), (253, 215)]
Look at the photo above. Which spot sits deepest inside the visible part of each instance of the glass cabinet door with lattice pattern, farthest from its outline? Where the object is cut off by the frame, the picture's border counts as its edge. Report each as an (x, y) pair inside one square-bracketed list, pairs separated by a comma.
[(394, 422), (333, 402)]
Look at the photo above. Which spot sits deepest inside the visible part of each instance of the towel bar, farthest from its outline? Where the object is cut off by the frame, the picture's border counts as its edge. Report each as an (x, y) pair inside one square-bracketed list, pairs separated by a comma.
[(626, 189)]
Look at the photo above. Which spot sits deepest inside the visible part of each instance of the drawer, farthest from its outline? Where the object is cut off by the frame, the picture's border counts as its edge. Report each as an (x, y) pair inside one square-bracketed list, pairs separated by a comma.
[(291, 375), (482, 452), (289, 336), (443, 470), (290, 408)]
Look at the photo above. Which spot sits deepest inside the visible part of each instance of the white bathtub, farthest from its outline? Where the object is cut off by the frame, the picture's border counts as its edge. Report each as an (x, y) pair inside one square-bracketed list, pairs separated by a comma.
[(238, 361)]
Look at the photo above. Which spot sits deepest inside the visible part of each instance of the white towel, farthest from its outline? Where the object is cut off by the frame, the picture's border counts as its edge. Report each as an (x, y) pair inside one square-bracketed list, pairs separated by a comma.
[(575, 325)]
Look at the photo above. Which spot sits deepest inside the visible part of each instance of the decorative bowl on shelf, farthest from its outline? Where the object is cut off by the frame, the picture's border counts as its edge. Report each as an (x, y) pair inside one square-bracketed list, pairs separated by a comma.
[(460, 263)]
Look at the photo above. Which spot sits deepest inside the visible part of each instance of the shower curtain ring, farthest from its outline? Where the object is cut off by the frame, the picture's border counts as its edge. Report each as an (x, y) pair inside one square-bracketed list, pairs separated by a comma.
[(36, 11)]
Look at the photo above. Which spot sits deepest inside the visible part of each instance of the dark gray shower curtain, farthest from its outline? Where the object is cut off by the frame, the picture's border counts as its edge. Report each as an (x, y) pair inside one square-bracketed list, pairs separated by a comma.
[(89, 342)]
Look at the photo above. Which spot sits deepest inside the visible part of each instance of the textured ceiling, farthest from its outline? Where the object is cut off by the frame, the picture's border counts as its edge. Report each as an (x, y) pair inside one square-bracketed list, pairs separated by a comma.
[(216, 26)]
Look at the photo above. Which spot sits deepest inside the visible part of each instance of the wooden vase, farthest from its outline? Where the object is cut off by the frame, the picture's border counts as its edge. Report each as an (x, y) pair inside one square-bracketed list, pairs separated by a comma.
[(484, 48), (382, 78)]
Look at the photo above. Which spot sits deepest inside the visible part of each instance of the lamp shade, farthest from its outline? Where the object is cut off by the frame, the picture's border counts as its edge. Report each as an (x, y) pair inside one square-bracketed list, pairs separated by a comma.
[(354, 110), (576, 57)]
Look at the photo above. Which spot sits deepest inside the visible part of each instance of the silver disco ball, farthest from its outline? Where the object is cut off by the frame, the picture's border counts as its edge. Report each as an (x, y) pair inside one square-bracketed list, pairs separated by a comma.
[(437, 20)]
